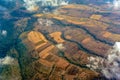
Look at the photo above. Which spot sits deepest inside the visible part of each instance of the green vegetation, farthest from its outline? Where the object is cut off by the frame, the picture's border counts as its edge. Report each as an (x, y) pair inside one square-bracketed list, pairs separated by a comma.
[(40, 42), (10, 72), (26, 62), (13, 53)]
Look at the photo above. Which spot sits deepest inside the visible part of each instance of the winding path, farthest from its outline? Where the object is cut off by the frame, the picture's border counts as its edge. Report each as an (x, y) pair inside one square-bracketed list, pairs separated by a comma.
[(81, 47), (87, 31)]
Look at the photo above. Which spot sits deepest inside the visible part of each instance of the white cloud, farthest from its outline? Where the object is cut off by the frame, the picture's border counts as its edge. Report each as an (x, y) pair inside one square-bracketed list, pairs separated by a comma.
[(60, 46), (110, 67), (6, 60), (31, 5), (4, 32), (116, 4)]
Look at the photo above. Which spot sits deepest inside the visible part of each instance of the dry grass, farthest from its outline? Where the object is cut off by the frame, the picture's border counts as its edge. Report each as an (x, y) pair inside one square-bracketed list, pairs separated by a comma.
[(35, 8), (76, 34), (86, 40), (46, 51), (57, 37), (62, 64), (95, 46), (44, 55), (88, 22), (38, 46), (36, 37), (111, 36), (68, 36), (23, 35), (79, 7), (46, 63), (96, 17), (107, 34), (38, 15), (88, 74)]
